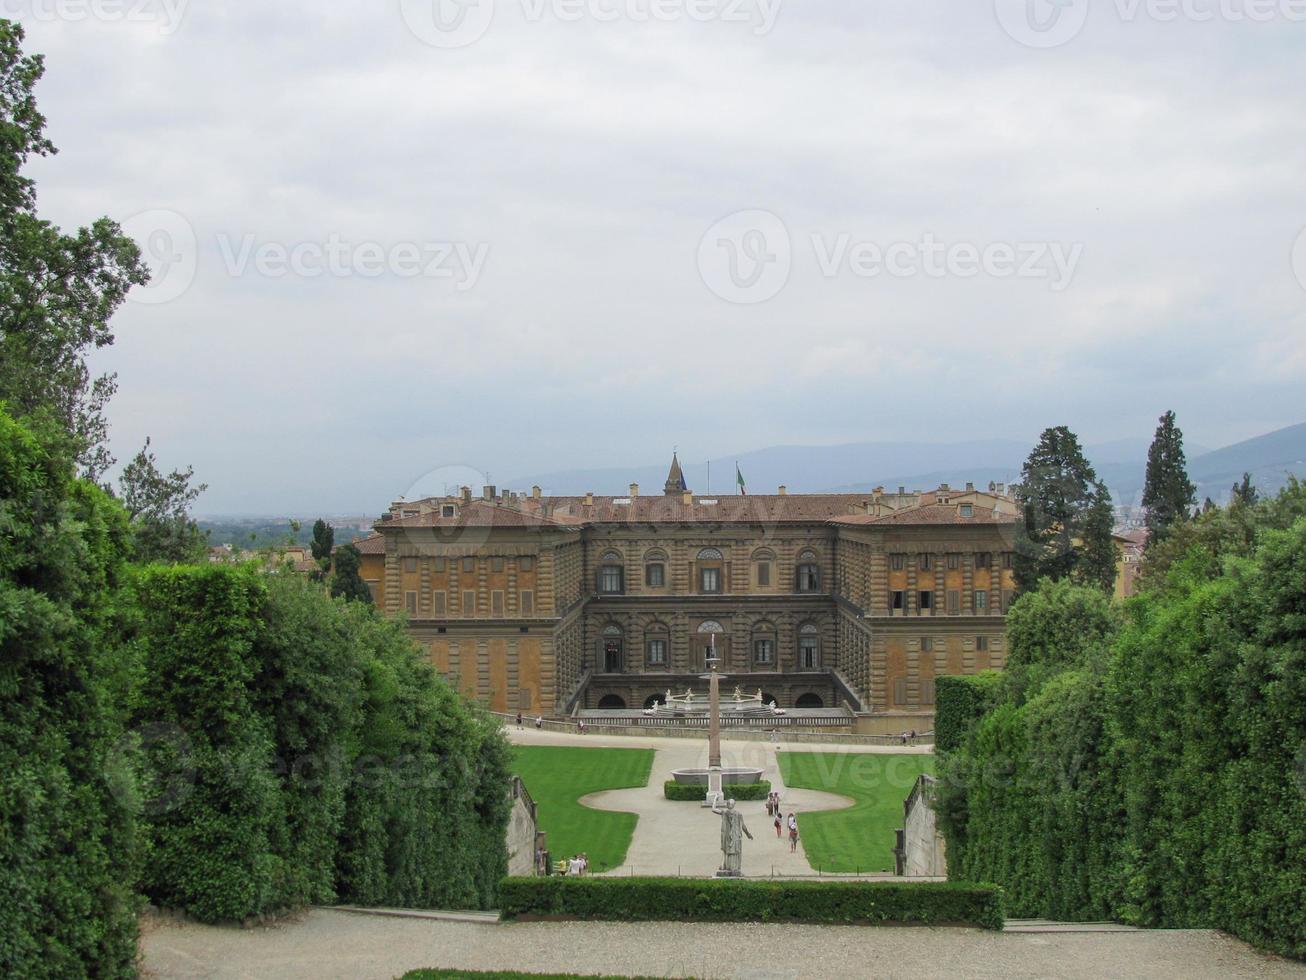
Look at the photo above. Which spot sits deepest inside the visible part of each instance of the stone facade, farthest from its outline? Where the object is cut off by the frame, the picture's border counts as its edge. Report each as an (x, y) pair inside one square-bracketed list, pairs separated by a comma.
[(547, 604)]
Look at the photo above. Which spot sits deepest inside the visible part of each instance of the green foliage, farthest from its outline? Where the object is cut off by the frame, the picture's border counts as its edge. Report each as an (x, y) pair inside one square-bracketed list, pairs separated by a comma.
[(324, 538), (1167, 491), (346, 582), (308, 754), (57, 291), (159, 507), (66, 906), (1066, 531), (959, 701), (752, 900), (740, 792), (557, 777), (1155, 773), (860, 837)]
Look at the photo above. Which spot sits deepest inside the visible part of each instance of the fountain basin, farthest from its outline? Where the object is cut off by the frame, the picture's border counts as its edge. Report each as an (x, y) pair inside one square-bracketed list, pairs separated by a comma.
[(729, 776)]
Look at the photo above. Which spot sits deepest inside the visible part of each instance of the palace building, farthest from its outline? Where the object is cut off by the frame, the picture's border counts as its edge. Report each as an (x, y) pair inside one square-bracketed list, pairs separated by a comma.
[(557, 604)]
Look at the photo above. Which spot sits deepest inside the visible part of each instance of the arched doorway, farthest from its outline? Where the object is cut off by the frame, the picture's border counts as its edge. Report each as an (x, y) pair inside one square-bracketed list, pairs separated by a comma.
[(711, 634), (809, 700), (611, 702)]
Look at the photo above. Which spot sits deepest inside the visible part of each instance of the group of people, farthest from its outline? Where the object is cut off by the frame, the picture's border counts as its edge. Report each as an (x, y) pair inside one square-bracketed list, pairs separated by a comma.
[(780, 821), (539, 720), (578, 865)]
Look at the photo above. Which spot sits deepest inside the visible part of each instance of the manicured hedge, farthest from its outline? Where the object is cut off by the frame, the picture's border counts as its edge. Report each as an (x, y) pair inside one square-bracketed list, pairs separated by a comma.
[(959, 701), (742, 792), (751, 900)]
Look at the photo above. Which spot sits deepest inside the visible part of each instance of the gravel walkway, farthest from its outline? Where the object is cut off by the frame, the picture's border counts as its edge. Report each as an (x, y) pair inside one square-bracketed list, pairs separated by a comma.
[(327, 944)]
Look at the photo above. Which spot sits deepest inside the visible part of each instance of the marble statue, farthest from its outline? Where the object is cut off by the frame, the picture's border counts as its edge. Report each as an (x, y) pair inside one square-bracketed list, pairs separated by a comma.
[(733, 832)]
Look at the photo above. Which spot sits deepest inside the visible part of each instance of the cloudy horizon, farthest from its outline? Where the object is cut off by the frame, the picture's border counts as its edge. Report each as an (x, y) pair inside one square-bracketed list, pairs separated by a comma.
[(538, 235)]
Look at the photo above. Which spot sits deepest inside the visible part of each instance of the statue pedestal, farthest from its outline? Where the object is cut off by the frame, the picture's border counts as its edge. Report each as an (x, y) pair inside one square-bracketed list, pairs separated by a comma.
[(723, 873), (715, 796)]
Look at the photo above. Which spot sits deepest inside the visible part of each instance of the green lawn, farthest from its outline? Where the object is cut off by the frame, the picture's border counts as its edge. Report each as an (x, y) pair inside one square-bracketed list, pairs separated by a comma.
[(557, 777), (861, 837)]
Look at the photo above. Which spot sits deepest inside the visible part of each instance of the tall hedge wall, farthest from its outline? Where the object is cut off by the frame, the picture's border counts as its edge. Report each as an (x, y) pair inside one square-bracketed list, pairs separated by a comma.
[(959, 702), (1158, 776)]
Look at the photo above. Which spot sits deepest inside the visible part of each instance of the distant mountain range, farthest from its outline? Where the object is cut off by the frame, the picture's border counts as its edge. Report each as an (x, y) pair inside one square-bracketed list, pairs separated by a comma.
[(862, 466)]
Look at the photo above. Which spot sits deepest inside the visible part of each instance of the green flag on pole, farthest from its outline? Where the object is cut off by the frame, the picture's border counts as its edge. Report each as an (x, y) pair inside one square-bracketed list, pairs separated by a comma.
[(739, 480)]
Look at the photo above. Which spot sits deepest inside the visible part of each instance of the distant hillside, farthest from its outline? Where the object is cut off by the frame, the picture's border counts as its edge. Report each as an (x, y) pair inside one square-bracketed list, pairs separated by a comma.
[(859, 467)]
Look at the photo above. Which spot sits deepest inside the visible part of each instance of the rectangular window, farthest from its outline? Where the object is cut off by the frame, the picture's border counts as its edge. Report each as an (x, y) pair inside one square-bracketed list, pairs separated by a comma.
[(924, 561), (763, 651), (1007, 595), (527, 602), (410, 603), (610, 578), (374, 587), (809, 578), (954, 602), (927, 644), (526, 563), (469, 564), (438, 600), (808, 653), (655, 575), (900, 691), (496, 603), (927, 690), (954, 560), (469, 605), (926, 600), (496, 564), (983, 559), (710, 579), (897, 599), (981, 643), (657, 652), (967, 510), (439, 564), (1006, 559), (763, 573), (410, 564), (981, 600), (897, 562)]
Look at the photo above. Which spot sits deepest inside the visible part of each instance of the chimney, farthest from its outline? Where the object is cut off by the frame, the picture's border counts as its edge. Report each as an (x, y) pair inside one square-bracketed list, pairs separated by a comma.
[(879, 491), (902, 491), (466, 494), (783, 491), (944, 487), (589, 498), (1002, 489), (487, 491), (535, 492), (970, 486), (687, 498), (634, 490), (992, 486)]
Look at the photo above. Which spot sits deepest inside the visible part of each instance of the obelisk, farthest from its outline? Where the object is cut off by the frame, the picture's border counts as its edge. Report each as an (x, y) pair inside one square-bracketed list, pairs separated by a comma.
[(714, 794)]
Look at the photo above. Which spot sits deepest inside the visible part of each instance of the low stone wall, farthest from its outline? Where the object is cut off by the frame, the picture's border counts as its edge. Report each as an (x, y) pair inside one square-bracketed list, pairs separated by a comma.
[(920, 851), (522, 831)]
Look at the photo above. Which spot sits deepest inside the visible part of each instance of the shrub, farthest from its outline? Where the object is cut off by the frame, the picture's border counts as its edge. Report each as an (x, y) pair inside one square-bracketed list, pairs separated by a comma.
[(741, 792), (959, 702), (751, 900)]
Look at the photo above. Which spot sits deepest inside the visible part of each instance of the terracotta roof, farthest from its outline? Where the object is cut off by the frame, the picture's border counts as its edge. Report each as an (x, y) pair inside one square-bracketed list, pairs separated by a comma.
[(373, 544), (705, 508), (481, 513)]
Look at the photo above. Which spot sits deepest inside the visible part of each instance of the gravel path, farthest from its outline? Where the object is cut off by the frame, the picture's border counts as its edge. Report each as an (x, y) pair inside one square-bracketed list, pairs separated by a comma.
[(326, 944)]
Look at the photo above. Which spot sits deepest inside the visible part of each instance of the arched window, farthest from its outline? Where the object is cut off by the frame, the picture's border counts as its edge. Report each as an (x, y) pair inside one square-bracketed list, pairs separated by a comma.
[(610, 702), (611, 574), (764, 646), (612, 649), (808, 572), (657, 648), (809, 700), (655, 569), (711, 571), (763, 560), (710, 626), (809, 647)]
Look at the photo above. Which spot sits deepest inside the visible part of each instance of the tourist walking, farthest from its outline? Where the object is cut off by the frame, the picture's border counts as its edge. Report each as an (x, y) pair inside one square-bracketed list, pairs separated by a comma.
[(793, 833), (519, 719), (778, 822), (539, 721)]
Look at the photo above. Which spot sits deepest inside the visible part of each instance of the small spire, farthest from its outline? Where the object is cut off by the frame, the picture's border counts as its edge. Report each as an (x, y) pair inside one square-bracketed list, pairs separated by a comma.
[(675, 478)]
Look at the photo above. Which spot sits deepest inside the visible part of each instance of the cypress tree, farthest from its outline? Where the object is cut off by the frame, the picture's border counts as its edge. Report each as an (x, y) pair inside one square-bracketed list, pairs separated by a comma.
[(1167, 492)]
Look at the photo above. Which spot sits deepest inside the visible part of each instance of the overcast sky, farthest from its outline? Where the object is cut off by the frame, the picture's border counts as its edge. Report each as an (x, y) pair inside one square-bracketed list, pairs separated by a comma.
[(723, 225)]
